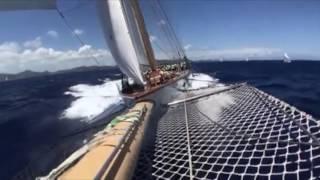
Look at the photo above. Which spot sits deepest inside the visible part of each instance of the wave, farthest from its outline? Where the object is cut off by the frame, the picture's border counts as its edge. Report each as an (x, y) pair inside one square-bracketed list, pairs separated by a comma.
[(93, 100)]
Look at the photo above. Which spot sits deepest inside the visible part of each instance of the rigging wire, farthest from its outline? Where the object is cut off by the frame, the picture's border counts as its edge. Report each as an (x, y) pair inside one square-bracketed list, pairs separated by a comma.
[(171, 28), (70, 28), (161, 13), (161, 49), (168, 54), (155, 16)]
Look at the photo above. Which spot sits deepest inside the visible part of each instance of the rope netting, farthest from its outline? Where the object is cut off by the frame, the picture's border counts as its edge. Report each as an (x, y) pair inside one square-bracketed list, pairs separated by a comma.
[(255, 137)]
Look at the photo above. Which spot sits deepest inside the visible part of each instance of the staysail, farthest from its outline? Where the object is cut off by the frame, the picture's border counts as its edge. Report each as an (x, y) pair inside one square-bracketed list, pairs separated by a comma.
[(10, 5), (121, 34)]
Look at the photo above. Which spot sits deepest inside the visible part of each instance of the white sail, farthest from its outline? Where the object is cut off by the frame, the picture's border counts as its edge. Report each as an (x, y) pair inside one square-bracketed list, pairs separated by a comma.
[(10, 5), (135, 33), (121, 35), (286, 58)]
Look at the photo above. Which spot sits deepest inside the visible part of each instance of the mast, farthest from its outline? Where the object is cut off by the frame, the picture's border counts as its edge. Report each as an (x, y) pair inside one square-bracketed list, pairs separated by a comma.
[(117, 19), (144, 34)]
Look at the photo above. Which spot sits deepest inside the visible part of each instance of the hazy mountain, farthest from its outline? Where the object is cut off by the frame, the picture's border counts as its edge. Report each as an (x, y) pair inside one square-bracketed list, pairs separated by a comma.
[(29, 74)]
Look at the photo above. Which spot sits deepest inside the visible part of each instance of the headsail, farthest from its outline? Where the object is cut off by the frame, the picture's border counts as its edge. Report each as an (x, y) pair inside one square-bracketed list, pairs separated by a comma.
[(10, 5), (122, 37)]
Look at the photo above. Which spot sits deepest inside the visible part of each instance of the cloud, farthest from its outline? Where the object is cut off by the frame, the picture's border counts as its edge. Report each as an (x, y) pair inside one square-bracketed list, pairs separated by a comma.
[(153, 38), (187, 47), (35, 43), (235, 54), (53, 33), (162, 22), (9, 47), (78, 31), (17, 57)]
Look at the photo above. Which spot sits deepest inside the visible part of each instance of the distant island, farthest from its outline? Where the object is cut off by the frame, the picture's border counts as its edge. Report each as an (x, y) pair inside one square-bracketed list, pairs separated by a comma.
[(30, 74)]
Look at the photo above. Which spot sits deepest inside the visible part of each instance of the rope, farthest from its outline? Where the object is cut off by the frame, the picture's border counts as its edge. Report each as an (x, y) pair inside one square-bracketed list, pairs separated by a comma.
[(171, 28), (162, 50), (188, 141), (70, 28), (166, 29), (167, 37)]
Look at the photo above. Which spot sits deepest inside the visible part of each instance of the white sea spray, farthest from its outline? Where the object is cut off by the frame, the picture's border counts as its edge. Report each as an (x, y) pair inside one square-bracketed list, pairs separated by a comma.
[(93, 100), (197, 81)]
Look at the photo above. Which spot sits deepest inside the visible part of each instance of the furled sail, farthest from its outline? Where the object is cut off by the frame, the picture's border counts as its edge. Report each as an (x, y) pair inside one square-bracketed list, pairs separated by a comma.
[(121, 34), (10, 5)]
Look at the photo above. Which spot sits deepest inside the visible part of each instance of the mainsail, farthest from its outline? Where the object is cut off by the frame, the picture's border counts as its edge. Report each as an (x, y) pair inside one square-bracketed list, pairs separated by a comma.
[(10, 5), (122, 36)]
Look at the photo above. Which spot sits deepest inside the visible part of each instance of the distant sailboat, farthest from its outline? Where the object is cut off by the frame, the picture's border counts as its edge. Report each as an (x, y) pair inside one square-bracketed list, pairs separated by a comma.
[(221, 59), (286, 58), (247, 59)]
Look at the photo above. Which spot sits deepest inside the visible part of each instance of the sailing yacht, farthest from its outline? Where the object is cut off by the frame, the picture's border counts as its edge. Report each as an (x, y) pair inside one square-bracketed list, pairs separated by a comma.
[(234, 131), (286, 58), (117, 19)]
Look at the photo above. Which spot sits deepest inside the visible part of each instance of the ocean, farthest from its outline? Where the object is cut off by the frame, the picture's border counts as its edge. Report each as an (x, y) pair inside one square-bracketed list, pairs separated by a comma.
[(45, 118)]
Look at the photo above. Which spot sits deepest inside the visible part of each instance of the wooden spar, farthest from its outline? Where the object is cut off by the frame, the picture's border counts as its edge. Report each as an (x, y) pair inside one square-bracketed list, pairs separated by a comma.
[(144, 34)]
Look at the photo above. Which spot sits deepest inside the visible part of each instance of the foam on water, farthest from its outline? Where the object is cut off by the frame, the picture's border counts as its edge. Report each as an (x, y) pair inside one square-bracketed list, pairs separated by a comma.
[(197, 81), (93, 100), (214, 104)]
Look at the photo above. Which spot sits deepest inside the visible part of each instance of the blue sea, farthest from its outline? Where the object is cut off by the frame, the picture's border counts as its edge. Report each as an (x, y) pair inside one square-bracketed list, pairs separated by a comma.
[(35, 136)]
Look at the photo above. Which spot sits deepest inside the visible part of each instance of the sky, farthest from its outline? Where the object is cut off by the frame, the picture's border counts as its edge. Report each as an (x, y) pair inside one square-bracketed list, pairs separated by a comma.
[(207, 29)]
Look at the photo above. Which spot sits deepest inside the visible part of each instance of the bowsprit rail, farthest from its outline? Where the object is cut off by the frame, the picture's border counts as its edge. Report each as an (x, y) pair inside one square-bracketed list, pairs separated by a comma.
[(251, 136)]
